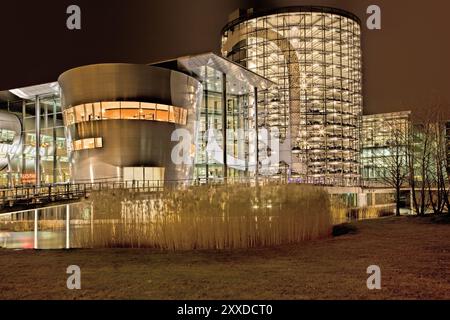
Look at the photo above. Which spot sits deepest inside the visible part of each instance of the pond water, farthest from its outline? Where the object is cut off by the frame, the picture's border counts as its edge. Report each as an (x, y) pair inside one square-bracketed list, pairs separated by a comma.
[(46, 228), (78, 226)]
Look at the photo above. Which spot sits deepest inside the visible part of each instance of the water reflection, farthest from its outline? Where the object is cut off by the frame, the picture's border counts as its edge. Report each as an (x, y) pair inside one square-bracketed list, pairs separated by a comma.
[(44, 229), (25, 240), (206, 218)]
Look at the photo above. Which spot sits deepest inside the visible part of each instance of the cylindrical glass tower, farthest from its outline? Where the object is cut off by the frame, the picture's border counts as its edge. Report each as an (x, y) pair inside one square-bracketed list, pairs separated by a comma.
[(314, 55)]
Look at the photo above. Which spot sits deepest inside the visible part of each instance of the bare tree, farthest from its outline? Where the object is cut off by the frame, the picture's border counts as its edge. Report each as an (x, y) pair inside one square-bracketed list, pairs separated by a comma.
[(394, 163), (420, 159), (427, 161), (437, 177)]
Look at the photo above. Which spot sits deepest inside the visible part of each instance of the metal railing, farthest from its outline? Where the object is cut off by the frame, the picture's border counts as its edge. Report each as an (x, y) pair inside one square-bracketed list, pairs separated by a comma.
[(47, 194), (34, 195)]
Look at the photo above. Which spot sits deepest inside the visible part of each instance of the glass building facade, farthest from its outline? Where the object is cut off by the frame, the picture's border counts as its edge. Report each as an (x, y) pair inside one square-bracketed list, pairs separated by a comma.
[(232, 108), (382, 136), (239, 109), (38, 141), (50, 135), (227, 109), (313, 55)]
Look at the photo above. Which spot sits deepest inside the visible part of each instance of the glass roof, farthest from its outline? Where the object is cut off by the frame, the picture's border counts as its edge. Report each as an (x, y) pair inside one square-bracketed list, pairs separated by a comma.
[(38, 90), (236, 73)]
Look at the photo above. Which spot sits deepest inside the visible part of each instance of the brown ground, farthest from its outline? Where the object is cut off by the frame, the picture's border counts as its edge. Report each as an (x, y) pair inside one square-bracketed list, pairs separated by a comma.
[(413, 253)]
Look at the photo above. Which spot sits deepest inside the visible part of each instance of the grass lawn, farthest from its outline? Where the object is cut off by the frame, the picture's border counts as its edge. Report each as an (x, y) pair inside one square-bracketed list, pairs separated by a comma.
[(413, 253)]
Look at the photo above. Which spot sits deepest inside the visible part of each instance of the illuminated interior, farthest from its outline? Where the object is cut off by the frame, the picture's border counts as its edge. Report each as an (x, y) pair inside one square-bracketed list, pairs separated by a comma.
[(240, 114), (53, 154), (125, 111), (381, 134), (315, 59), (7, 136), (86, 144)]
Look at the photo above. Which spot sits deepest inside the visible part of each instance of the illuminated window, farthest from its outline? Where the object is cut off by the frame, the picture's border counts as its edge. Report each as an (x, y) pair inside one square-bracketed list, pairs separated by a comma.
[(148, 111), (97, 108), (171, 114), (87, 144), (111, 110), (80, 114), (125, 111), (78, 145), (130, 110), (89, 112), (98, 142), (162, 113)]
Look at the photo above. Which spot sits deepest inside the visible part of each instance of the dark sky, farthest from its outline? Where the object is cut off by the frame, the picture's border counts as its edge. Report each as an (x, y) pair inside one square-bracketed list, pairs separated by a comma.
[(406, 64)]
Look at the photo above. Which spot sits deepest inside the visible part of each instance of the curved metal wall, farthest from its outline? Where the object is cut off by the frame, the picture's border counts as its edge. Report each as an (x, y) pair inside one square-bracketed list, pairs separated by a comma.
[(128, 143), (125, 82)]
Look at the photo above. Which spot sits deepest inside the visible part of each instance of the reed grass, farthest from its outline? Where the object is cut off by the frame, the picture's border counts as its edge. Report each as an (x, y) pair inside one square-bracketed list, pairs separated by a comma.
[(341, 213), (207, 217)]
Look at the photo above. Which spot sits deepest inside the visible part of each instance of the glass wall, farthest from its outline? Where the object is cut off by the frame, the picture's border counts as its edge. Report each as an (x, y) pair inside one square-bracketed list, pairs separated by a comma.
[(53, 147), (239, 122), (315, 59), (209, 165), (240, 115), (125, 110), (54, 160), (383, 135)]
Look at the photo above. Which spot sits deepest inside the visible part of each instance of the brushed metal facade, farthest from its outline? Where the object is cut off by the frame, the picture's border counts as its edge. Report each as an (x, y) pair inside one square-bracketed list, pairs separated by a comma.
[(128, 143)]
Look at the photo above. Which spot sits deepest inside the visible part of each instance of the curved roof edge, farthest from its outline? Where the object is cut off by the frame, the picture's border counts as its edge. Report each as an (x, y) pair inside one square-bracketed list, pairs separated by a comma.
[(125, 82), (110, 64), (267, 12)]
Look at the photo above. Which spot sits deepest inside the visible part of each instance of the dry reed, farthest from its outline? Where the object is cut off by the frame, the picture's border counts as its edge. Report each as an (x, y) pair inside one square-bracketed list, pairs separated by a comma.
[(207, 217), (341, 213)]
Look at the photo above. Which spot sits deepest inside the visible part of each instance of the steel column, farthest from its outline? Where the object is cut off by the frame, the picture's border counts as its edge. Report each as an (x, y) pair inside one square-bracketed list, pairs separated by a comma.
[(224, 125), (38, 142)]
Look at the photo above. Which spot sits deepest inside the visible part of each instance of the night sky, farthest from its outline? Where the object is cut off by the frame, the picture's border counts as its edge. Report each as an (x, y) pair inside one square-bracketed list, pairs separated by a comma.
[(406, 64)]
